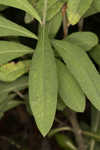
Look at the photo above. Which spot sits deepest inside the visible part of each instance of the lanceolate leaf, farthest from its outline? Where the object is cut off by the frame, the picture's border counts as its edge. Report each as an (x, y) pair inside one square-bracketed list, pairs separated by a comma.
[(85, 40), (23, 5), (8, 28), (82, 69), (43, 84), (12, 50), (76, 9), (69, 89)]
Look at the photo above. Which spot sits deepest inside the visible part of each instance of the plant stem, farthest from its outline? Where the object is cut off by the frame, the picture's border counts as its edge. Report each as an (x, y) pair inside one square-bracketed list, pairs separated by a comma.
[(76, 129), (67, 128), (54, 131), (80, 24), (45, 12), (92, 143), (65, 20)]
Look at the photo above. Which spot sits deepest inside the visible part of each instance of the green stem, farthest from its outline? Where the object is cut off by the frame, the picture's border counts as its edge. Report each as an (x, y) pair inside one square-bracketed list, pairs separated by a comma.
[(45, 11), (92, 143), (67, 128), (54, 131)]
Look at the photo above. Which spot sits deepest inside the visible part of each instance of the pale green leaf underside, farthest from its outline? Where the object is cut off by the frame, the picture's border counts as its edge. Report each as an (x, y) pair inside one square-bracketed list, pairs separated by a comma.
[(11, 71), (12, 50), (23, 5), (69, 89), (82, 69), (85, 40), (43, 84), (76, 9), (8, 28)]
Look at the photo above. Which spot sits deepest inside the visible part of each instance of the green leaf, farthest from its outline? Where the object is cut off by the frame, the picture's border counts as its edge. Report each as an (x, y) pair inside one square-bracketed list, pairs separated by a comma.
[(3, 97), (65, 142), (40, 5), (2, 7), (9, 104), (54, 25), (60, 104), (95, 54), (52, 11), (11, 71), (28, 18), (85, 40), (69, 89), (95, 8), (23, 5), (8, 28), (95, 125), (12, 50), (43, 84), (19, 84), (54, 7), (82, 69), (76, 9)]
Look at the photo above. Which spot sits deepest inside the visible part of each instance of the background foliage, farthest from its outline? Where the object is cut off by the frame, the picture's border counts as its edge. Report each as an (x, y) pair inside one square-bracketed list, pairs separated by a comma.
[(49, 72)]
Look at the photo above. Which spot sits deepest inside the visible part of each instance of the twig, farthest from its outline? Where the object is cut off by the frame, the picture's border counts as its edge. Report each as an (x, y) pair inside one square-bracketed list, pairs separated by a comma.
[(80, 24), (20, 94), (65, 20), (76, 129)]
